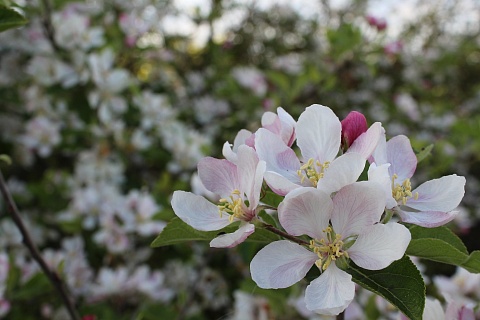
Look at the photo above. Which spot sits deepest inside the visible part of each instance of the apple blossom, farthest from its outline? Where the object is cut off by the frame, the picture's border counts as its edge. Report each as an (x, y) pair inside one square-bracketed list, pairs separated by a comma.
[(343, 227), (239, 187), (431, 204), (318, 133)]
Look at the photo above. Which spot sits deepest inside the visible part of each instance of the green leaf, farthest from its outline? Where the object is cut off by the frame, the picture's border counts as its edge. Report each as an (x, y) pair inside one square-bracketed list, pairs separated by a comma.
[(441, 233), (10, 19), (400, 283), (442, 245), (6, 159), (424, 153), (472, 264), (272, 199), (177, 231)]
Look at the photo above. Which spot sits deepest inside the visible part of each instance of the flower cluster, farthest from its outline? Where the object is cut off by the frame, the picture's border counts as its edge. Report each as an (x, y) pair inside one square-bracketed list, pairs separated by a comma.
[(343, 218)]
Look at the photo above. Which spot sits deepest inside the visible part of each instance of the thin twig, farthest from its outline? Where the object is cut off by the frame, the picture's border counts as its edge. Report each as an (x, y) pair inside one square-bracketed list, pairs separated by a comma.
[(48, 26), (281, 233), (28, 242)]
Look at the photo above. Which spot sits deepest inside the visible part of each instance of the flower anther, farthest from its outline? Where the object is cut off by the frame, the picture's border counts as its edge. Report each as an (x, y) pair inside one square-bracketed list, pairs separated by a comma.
[(402, 191), (328, 249), (233, 206), (313, 171)]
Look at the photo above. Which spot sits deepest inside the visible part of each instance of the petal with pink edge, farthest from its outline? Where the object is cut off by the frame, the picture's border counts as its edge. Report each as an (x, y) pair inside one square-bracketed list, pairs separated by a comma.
[(366, 143), (342, 171), (218, 176), (427, 219), (279, 184), (401, 157), (198, 212), (230, 240), (330, 293), (229, 151), (305, 211), (281, 264), (443, 194), (318, 133), (278, 156), (357, 206), (379, 245)]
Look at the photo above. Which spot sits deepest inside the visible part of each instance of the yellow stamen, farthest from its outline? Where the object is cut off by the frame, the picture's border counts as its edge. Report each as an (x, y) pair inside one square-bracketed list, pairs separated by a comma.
[(402, 192), (233, 206), (328, 249), (313, 171)]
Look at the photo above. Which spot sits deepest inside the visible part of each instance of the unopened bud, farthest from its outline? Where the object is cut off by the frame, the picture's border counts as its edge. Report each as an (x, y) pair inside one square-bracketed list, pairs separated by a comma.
[(352, 126)]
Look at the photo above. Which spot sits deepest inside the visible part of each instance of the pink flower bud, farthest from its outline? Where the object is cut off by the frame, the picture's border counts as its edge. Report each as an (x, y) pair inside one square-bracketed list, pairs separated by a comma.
[(352, 126)]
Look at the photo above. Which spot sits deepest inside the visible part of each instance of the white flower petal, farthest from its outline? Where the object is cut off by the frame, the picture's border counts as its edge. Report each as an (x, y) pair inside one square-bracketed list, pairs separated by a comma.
[(427, 219), (318, 133), (357, 206), (380, 175), (305, 211), (379, 245), (281, 264), (279, 184), (198, 212), (401, 157), (230, 240), (379, 155), (342, 171), (278, 156), (250, 173), (218, 176), (330, 293), (367, 142), (443, 194)]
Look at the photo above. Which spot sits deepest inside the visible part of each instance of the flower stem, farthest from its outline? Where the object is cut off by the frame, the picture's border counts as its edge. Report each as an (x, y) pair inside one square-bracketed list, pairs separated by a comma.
[(28, 242), (281, 233)]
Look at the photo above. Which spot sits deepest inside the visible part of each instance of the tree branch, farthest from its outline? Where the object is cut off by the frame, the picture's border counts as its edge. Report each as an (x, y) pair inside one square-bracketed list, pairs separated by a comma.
[(281, 233), (28, 242)]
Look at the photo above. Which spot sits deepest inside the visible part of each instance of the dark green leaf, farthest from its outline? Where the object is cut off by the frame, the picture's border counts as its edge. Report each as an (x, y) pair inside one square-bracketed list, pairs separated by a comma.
[(400, 283), (10, 18)]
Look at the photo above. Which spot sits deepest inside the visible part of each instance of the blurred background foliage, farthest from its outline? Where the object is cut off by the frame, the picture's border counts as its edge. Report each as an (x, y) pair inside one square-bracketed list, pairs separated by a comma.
[(186, 81)]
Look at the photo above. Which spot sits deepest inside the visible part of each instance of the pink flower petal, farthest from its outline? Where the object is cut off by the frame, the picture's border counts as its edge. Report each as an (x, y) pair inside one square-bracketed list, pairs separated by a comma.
[(379, 245), (305, 211), (229, 151), (379, 155), (230, 240), (401, 157), (218, 176), (198, 212), (427, 219), (366, 143), (330, 293), (443, 194), (318, 133), (357, 206), (343, 171), (281, 264)]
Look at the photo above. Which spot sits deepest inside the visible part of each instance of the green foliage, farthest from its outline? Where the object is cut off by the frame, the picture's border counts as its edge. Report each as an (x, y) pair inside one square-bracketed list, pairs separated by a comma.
[(6, 159), (400, 283), (177, 231), (10, 18), (424, 153), (442, 245)]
